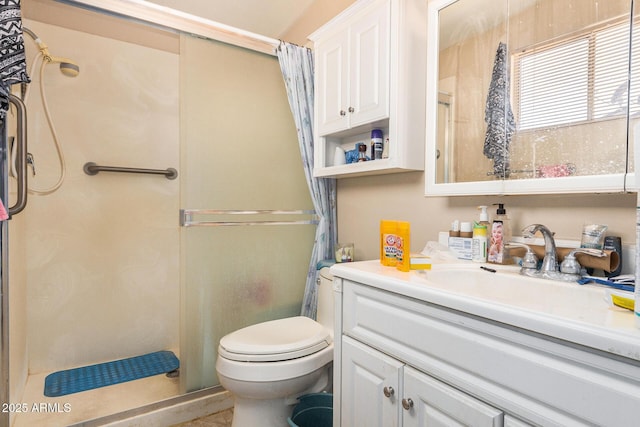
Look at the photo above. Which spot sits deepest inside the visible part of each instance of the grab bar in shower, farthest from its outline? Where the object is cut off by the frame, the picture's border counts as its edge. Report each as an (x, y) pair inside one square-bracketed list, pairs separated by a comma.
[(91, 168), (21, 156), (187, 217)]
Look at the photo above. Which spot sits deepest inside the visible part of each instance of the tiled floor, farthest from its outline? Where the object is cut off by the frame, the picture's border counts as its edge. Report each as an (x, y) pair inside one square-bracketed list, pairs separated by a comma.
[(221, 419)]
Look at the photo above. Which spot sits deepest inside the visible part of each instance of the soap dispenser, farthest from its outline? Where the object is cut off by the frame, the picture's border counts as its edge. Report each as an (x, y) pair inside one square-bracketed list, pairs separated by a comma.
[(500, 235), (484, 217)]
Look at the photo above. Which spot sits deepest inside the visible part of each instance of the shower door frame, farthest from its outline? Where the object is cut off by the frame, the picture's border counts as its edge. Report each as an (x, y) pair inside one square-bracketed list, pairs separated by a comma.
[(4, 281)]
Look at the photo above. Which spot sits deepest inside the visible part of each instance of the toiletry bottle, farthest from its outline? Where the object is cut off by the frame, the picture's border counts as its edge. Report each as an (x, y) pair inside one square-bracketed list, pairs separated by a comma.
[(500, 235), (484, 216), (385, 149), (466, 230), (455, 229), (376, 144), (388, 239), (403, 252), (479, 243), (362, 153)]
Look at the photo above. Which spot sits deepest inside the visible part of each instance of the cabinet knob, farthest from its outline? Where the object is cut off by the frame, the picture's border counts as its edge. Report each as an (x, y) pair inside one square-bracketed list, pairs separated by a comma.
[(343, 113), (388, 391), (407, 404), (351, 109)]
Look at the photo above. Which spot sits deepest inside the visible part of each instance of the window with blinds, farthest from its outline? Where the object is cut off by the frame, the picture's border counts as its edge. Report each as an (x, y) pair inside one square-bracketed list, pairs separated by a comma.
[(581, 79)]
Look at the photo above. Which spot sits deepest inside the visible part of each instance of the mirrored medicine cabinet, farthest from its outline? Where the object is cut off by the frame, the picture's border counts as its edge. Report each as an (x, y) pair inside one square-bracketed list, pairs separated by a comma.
[(531, 96)]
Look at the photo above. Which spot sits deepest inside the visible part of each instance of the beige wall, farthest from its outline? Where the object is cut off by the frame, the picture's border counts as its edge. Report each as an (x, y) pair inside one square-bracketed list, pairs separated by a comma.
[(362, 202), (320, 12)]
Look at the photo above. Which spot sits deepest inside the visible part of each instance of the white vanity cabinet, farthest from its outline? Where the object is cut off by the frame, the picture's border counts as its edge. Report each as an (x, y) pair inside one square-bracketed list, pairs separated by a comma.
[(370, 64), (386, 392), (407, 355), (369, 377)]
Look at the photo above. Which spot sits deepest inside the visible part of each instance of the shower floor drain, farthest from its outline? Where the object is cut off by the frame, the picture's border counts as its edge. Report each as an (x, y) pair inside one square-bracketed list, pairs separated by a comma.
[(103, 374)]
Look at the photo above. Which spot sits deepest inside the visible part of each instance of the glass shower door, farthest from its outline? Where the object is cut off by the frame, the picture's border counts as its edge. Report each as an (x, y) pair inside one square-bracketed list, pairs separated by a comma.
[(247, 222)]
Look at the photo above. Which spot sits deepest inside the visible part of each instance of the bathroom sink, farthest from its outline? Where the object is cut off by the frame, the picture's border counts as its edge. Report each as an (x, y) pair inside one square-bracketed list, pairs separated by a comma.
[(507, 286), (567, 311)]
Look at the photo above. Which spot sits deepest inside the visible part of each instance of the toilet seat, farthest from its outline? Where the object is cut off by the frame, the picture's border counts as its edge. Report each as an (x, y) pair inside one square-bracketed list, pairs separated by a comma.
[(275, 340)]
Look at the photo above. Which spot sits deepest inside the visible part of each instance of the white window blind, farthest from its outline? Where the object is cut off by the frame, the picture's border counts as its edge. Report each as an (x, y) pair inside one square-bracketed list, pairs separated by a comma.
[(575, 80)]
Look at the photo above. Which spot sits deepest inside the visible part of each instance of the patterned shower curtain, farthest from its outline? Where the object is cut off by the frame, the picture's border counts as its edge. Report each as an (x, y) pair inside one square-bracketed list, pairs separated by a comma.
[(296, 64), (13, 63)]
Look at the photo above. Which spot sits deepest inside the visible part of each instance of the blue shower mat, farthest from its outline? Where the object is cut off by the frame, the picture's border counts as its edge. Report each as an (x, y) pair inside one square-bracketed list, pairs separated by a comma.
[(103, 374)]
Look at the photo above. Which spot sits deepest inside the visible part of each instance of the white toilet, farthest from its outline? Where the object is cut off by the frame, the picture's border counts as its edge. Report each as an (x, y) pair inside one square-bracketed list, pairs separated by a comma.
[(269, 365)]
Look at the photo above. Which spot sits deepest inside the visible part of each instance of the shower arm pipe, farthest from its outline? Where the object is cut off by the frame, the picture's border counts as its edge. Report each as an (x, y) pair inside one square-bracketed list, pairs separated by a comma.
[(181, 21), (91, 168), (21, 154)]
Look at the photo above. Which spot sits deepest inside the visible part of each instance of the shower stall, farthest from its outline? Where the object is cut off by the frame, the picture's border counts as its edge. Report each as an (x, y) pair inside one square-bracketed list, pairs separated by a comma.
[(115, 265)]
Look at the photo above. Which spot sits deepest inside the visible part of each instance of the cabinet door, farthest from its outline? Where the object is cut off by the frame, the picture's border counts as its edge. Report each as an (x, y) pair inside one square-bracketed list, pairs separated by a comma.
[(429, 402), (332, 90), (369, 66), (370, 386)]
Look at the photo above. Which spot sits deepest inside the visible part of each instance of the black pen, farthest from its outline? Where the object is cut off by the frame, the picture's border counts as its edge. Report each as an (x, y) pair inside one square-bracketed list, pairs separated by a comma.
[(490, 270)]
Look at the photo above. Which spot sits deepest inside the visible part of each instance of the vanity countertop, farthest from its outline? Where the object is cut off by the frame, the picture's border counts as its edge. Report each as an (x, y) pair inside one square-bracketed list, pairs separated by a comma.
[(566, 311)]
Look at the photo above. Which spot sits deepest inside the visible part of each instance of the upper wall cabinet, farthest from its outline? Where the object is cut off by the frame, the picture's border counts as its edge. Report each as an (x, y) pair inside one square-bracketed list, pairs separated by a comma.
[(530, 96), (369, 74), (353, 73)]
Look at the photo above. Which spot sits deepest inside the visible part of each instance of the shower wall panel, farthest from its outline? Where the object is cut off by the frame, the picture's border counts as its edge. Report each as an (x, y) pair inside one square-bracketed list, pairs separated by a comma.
[(103, 264)]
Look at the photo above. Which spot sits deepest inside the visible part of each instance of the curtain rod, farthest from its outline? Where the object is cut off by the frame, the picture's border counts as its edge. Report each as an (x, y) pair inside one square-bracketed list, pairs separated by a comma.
[(181, 21)]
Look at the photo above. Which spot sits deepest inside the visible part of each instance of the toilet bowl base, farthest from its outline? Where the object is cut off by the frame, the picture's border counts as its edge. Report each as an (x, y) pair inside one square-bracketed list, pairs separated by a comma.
[(270, 404), (257, 412)]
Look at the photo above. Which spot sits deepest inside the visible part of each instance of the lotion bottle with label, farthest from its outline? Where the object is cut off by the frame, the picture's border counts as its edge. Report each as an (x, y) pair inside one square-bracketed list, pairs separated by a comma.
[(500, 235), (479, 243)]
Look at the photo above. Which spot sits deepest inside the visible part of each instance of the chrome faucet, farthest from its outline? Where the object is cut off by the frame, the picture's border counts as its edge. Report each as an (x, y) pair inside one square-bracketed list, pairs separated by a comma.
[(569, 271), (550, 261)]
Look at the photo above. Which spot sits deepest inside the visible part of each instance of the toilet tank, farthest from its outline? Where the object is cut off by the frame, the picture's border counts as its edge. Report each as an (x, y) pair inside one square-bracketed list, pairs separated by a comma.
[(325, 299)]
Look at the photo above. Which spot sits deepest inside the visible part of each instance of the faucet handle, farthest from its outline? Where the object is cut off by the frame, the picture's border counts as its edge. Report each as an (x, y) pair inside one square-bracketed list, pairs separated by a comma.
[(530, 260), (589, 251), (571, 265)]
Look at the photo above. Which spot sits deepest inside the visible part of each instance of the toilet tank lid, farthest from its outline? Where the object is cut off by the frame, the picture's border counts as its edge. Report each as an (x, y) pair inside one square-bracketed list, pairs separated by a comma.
[(292, 334)]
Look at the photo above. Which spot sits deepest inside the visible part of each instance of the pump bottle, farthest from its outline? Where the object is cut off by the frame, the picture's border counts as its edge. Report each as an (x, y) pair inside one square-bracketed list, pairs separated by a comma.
[(484, 217), (500, 235)]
